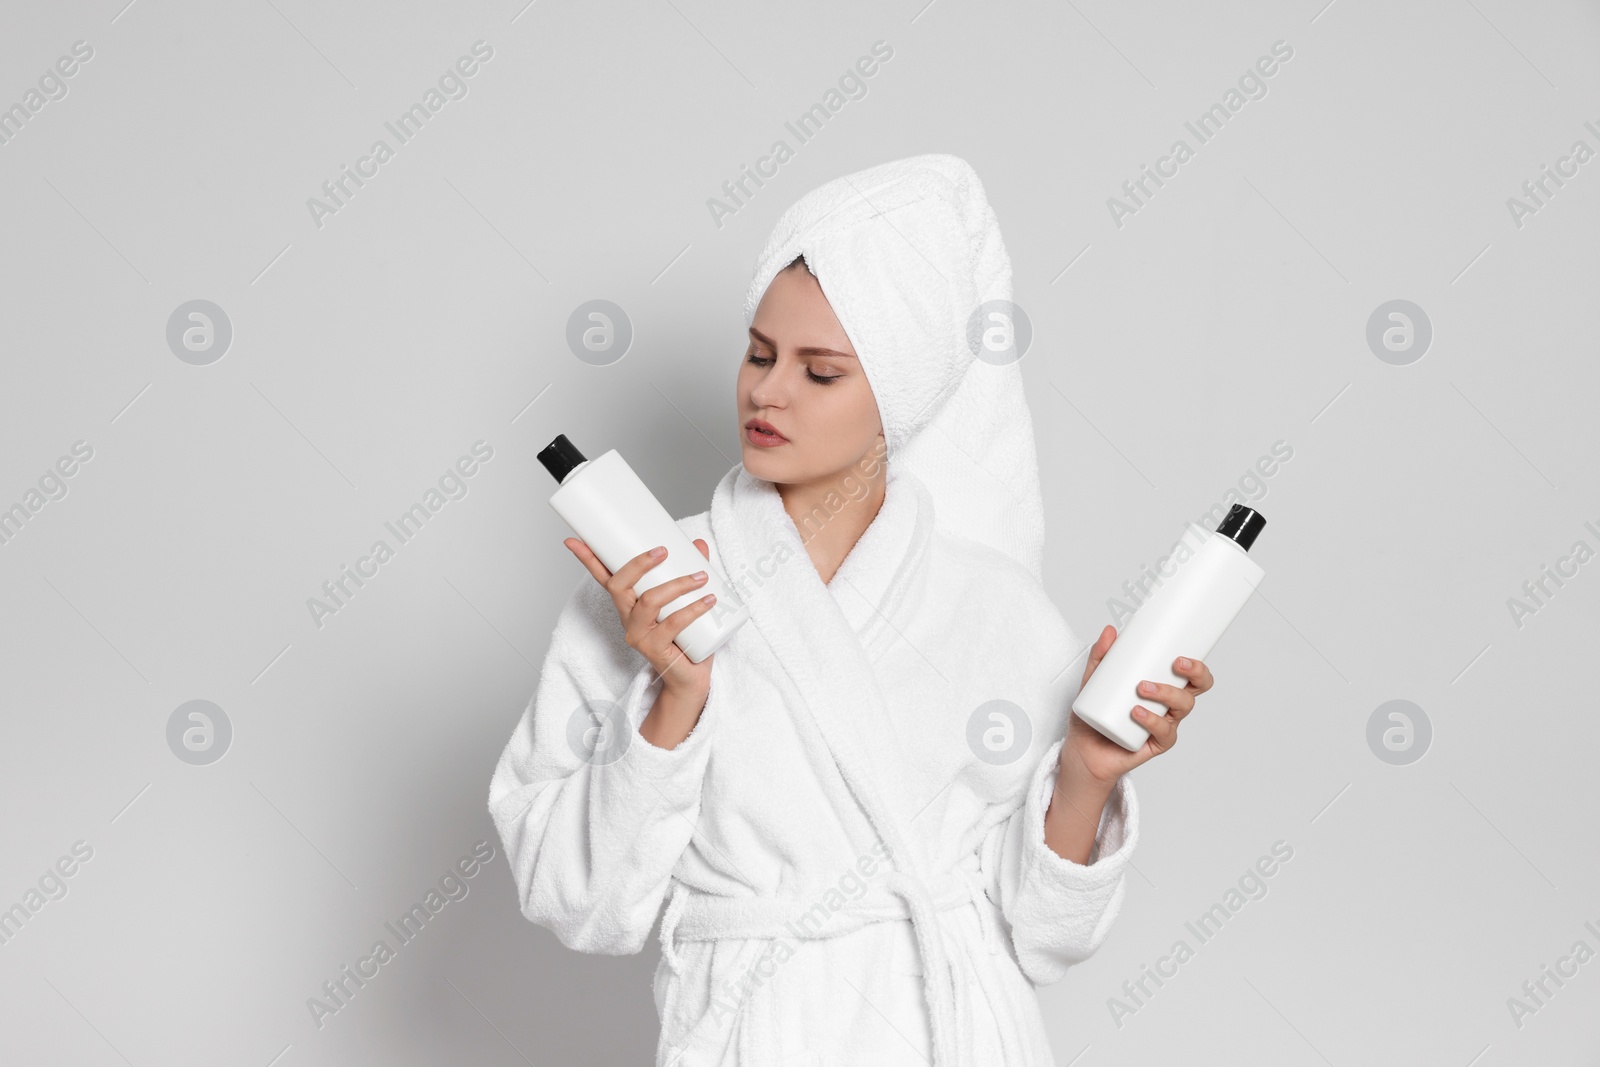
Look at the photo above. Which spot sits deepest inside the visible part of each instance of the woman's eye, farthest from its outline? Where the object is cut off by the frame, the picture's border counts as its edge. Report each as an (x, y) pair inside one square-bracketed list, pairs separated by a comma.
[(820, 379)]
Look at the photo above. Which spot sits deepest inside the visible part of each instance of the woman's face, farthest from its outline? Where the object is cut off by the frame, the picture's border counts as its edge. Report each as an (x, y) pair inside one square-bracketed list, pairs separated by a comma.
[(802, 378)]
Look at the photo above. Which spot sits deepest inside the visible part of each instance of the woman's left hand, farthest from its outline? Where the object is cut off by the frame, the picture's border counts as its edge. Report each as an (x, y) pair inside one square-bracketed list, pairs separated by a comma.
[(1100, 759)]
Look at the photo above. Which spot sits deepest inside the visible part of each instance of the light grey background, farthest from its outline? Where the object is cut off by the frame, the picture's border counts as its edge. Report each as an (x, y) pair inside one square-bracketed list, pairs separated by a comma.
[(430, 312)]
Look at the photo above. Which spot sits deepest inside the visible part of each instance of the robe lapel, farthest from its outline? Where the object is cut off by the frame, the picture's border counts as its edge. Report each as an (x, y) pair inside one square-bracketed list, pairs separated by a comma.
[(820, 634), (886, 561)]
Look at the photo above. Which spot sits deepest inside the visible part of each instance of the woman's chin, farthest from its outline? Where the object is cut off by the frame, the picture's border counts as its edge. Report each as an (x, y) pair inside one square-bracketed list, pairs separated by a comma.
[(762, 463)]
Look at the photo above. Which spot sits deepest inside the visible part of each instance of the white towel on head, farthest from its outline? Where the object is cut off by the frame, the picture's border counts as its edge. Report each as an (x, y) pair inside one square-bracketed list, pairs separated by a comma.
[(906, 252)]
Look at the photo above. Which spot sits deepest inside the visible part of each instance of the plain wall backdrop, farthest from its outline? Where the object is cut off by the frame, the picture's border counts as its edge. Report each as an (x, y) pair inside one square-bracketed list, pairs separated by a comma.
[(1182, 343)]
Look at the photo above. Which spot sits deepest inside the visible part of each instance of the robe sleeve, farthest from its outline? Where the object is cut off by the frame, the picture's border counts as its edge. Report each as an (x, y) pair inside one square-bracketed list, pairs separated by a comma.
[(1060, 911), (592, 837)]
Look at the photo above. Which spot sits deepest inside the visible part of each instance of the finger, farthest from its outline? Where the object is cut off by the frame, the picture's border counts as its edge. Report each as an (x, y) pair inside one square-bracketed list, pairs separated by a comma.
[(1178, 701), (628, 575), (1163, 728), (660, 643), (1198, 673), (652, 600), (1099, 650), (674, 624), (590, 561), (705, 549)]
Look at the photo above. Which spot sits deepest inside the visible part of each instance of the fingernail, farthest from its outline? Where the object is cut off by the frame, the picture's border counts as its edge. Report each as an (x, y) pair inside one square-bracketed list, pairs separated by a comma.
[(698, 576), (1146, 687), (658, 552), (1184, 663), (709, 598)]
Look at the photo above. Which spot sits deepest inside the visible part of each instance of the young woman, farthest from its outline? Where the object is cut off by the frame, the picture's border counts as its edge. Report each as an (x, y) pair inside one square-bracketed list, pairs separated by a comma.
[(880, 825)]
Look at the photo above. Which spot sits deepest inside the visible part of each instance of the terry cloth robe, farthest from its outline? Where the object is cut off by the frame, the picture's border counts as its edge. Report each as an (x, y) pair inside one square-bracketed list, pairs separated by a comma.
[(846, 877)]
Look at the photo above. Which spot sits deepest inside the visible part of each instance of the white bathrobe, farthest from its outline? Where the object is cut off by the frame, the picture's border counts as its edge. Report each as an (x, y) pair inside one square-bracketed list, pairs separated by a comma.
[(845, 876)]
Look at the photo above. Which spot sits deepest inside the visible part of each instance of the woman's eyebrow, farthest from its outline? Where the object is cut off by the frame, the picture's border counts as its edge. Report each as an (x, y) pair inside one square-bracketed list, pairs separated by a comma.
[(809, 350)]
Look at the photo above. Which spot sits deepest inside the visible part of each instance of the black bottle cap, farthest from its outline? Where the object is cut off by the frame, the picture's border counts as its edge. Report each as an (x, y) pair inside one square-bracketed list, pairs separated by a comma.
[(1243, 525), (560, 456)]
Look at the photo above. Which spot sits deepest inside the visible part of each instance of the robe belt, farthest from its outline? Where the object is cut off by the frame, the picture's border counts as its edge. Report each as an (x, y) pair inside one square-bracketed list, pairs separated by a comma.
[(694, 915)]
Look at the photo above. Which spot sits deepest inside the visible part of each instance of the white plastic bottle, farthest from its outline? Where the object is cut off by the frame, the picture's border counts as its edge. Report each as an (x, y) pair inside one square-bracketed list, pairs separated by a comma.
[(617, 516), (1185, 616)]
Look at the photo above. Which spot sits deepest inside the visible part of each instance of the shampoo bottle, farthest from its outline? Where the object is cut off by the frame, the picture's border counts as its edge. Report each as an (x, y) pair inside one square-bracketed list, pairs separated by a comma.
[(1185, 616), (613, 512)]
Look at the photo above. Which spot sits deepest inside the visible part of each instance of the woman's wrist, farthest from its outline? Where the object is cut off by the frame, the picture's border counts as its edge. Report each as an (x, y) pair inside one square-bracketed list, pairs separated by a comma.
[(1073, 772), (672, 718), (1081, 788), (1072, 821)]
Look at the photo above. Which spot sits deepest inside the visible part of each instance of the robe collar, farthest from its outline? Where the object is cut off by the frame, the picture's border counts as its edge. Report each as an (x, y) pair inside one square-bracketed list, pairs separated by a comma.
[(824, 635), (823, 638)]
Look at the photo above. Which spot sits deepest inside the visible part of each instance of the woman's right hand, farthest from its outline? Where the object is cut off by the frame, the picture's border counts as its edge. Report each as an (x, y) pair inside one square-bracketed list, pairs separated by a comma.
[(686, 681)]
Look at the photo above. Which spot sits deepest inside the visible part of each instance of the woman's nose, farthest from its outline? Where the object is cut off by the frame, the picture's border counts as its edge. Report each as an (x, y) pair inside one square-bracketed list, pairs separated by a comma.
[(768, 392)]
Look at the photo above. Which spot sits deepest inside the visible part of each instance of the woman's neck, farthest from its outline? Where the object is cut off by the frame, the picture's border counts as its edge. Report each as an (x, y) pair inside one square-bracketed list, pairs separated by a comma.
[(832, 514)]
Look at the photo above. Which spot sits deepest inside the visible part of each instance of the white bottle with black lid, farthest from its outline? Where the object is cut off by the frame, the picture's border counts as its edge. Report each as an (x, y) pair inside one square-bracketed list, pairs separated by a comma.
[(615, 514), (1185, 616)]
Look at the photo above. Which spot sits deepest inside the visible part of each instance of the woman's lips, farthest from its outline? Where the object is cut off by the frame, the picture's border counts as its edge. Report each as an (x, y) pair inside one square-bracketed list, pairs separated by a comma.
[(756, 436)]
